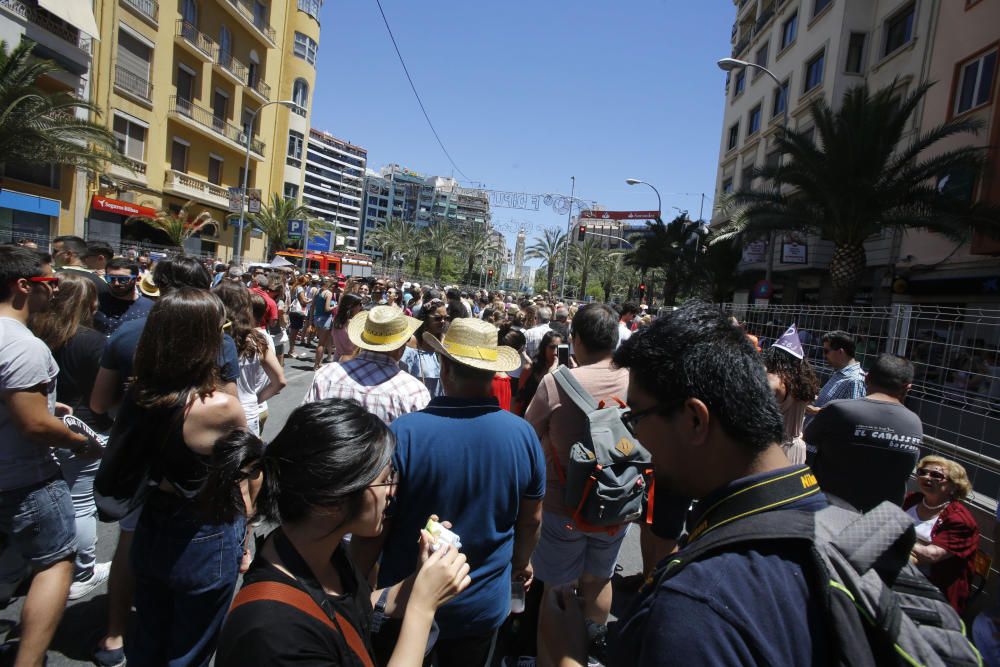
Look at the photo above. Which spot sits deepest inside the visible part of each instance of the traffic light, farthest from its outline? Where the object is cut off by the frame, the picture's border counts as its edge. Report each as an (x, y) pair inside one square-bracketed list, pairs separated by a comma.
[(642, 291), (581, 233), (490, 273)]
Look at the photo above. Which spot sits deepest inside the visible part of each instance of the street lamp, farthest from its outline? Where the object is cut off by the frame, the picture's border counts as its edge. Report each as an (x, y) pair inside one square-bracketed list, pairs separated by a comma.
[(728, 65), (238, 242), (659, 203)]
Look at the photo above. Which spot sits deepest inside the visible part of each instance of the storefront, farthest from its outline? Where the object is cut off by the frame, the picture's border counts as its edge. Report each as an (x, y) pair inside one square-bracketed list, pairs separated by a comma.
[(107, 218), (27, 217)]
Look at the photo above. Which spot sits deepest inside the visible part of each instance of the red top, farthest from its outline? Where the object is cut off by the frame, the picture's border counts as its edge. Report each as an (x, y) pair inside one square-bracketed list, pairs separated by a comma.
[(501, 390), (271, 313), (957, 532)]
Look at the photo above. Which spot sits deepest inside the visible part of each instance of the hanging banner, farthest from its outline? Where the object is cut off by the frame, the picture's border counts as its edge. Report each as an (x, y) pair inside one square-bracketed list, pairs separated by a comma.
[(793, 252), (754, 252), (235, 200), (253, 201)]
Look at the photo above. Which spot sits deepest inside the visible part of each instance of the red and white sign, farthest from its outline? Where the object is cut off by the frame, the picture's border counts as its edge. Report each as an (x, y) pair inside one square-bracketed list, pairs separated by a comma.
[(620, 215), (109, 205)]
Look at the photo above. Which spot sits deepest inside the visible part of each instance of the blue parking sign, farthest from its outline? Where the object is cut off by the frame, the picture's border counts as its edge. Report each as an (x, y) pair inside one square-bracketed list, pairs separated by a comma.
[(296, 228)]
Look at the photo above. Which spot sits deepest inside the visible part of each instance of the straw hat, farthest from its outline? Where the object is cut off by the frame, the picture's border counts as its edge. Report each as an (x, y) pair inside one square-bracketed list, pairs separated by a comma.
[(473, 342), (148, 287), (381, 329)]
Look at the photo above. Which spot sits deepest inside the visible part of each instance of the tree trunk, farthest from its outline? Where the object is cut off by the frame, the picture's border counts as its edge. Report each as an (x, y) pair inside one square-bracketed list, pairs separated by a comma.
[(607, 292), (846, 269), (583, 284), (468, 271), (551, 272), (437, 267), (669, 291), (416, 264)]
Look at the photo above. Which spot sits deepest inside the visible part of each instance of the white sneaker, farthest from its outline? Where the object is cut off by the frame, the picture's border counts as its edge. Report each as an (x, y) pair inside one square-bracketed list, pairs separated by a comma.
[(81, 589)]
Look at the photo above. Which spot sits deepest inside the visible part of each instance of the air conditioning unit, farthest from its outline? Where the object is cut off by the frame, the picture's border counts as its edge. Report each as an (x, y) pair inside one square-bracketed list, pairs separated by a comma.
[(127, 196)]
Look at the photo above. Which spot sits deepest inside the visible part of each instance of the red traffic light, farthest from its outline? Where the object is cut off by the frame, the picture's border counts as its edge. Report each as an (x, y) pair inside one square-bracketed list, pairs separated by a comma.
[(642, 287), (582, 233), (490, 273)]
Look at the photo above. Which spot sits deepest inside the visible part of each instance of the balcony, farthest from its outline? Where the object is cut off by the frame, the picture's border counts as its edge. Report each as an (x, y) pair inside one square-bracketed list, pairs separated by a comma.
[(135, 171), (147, 10), (132, 84), (242, 10), (205, 122), (194, 40), (191, 187), (231, 67), (260, 89), (54, 38)]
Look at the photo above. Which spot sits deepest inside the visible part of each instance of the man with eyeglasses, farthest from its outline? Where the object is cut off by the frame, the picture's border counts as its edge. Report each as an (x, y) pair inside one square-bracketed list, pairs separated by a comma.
[(863, 450), (68, 253), (848, 379), (123, 302)]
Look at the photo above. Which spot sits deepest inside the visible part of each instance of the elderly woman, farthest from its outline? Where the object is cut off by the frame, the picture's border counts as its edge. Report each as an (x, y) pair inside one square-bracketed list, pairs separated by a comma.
[(947, 534)]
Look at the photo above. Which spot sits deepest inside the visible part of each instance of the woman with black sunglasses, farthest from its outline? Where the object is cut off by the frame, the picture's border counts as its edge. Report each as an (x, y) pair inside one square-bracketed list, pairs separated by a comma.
[(419, 359), (326, 474)]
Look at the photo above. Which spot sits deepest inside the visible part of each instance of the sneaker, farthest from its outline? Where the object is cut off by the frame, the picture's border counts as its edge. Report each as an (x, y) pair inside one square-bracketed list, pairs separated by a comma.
[(80, 589), (597, 640), (109, 657)]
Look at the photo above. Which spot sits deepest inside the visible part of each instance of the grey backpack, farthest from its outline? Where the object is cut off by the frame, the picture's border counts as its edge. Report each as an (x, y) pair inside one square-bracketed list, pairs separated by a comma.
[(609, 478), (880, 609)]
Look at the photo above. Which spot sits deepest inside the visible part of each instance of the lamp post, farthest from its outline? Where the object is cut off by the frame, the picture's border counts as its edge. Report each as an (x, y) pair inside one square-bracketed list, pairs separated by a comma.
[(659, 202), (728, 65), (238, 241)]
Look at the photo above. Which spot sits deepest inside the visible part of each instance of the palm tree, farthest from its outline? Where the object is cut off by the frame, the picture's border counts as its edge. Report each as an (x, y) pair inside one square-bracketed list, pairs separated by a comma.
[(476, 242), (38, 126), (860, 179), (274, 217), (665, 247), (396, 235), (439, 240), (611, 272), (549, 249), (586, 257), (178, 226)]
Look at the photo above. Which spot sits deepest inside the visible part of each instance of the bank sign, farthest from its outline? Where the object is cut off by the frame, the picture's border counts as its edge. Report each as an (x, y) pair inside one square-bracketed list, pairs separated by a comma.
[(127, 209)]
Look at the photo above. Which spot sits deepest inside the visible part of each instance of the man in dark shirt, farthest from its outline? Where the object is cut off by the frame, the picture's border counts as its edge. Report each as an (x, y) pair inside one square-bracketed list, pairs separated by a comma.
[(68, 253), (123, 303), (700, 402), (864, 449)]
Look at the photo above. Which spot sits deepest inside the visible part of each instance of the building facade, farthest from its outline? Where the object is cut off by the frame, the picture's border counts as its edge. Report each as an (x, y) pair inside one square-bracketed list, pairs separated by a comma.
[(186, 87), (820, 49), (334, 188)]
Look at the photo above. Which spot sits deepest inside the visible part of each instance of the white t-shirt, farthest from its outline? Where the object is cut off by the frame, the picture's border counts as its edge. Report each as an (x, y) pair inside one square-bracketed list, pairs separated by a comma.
[(623, 333), (922, 527)]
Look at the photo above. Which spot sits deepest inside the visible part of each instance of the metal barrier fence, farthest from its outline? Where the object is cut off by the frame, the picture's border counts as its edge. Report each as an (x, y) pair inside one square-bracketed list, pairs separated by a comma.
[(956, 355)]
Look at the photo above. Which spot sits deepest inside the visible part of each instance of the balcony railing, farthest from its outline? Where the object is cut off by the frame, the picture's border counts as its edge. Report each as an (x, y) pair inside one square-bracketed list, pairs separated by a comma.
[(207, 119), (196, 38), (133, 83), (247, 12), (47, 21), (260, 87), (233, 66), (147, 8), (191, 185)]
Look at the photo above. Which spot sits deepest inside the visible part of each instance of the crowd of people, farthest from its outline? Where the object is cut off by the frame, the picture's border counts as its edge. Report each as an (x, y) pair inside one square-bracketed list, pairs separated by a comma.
[(431, 409)]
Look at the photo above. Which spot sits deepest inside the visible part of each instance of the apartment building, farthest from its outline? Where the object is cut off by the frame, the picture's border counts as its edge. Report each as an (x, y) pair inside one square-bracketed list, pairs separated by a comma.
[(40, 202), (191, 89), (334, 187), (815, 49)]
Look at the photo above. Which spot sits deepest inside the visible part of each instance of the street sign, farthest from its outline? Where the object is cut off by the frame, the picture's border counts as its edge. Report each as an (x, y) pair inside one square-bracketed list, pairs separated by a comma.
[(295, 229), (321, 243), (110, 205), (253, 201), (620, 215), (235, 200)]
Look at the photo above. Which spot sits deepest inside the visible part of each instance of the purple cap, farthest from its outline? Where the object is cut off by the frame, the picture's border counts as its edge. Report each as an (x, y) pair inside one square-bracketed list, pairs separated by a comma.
[(790, 343)]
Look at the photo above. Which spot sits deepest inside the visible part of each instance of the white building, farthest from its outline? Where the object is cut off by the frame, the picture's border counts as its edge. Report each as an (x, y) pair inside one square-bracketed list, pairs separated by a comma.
[(334, 184)]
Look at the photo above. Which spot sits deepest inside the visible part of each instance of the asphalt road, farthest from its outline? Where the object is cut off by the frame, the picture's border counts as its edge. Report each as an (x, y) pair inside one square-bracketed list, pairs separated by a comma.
[(84, 622)]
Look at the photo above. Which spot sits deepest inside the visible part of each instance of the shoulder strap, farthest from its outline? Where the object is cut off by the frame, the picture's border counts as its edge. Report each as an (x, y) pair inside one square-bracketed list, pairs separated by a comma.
[(289, 595), (581, 397)]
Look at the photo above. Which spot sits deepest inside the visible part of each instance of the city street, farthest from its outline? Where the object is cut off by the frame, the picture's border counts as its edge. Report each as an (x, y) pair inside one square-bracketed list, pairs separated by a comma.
[(84, 620)]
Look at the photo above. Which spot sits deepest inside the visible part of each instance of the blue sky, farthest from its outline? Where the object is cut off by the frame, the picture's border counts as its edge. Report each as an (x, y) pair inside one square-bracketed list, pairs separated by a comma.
[(527, 94)]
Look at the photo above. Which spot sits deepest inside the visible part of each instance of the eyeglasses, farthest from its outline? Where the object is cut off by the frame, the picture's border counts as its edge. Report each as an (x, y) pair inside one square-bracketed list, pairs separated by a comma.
[(389, 481), (440, 318), (53, 280), (632, 417), (120, 279), (936, 475)]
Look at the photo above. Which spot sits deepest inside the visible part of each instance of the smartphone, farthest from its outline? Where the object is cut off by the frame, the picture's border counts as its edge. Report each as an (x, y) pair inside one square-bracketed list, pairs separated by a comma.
[(563, 353)]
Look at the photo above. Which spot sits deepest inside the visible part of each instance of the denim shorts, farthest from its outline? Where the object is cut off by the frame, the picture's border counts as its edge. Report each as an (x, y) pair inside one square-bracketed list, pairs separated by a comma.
[(563, 553), (38, 522)]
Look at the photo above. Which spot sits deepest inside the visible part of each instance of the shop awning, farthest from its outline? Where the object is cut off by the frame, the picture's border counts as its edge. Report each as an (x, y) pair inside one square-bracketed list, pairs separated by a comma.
[(19, 201), (78, 13)]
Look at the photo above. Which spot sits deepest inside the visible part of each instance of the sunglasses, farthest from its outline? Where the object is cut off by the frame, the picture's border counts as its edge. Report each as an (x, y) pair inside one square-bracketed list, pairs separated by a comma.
[(440, 318), (936, 475), (53, 280), (120, 279)]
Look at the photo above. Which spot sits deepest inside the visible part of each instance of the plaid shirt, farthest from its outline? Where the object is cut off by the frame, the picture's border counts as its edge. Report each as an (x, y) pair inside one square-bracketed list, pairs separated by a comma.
[(375, 381), (848, 382)]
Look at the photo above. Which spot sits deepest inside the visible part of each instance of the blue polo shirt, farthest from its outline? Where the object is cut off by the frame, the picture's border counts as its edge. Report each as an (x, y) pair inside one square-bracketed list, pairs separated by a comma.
[(470, 463), (749, 606)]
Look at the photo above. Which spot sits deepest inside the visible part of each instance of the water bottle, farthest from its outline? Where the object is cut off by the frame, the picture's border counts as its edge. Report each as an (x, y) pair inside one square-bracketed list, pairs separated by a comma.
[(517, 595)]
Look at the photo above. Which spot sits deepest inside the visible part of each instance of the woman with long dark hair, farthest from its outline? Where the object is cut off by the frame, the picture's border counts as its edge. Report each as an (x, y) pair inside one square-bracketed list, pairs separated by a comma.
[(546, 360), (349, 306), (326, 474), (66, 327), (188, 544), (419, 359), (322, 309), (795, 386)]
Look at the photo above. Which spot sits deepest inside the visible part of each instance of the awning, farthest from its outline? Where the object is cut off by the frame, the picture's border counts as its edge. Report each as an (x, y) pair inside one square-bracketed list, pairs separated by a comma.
[(78, 13), (19, 201)]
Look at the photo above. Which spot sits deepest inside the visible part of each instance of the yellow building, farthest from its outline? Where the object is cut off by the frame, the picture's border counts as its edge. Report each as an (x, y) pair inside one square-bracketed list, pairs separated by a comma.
[(182, 86)]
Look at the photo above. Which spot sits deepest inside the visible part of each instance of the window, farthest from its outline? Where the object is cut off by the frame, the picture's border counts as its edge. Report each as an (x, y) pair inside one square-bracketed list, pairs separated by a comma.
[(975, 82), (746, 178), (820, 5), (46, 175), (132, 69), (311, 7), (761, 58), (779, 99), (131, 137), (291, 191), (215, 170), (178, 155), (225, 46), (294, 148), (305, 48), (189, 12), (249, 177), (741, 82), (734, 136), (727, 186), (773, 159), (898, 30), (814, 71), (855, 53), (185, 85), (789, 29), (753, 121), (300, 95)]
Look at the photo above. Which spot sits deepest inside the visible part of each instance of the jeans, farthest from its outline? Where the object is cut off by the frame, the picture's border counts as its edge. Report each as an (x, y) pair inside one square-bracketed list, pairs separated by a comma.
[(36, 529), (79, 474), (186, 571)]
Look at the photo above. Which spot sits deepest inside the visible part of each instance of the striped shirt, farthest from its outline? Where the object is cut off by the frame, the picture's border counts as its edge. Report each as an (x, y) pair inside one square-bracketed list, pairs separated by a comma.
[(848, 382), (375, 381)]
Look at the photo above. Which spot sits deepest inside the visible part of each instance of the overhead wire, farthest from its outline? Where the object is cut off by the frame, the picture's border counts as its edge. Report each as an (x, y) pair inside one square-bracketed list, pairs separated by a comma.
[(415, 93)]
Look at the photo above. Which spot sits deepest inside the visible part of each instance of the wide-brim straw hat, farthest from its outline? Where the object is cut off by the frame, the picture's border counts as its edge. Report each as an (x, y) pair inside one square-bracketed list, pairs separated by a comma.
[(381, 329), (473, 342), (148, 287)]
